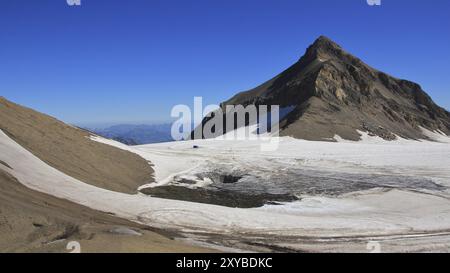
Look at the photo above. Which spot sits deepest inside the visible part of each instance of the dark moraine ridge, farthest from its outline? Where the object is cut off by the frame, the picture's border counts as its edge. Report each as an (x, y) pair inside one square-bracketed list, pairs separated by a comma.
[(221, 197)]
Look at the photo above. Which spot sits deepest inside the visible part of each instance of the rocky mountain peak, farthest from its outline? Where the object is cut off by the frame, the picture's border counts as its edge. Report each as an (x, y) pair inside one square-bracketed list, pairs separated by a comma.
[(323, 48), (324, 42), (336, 93)]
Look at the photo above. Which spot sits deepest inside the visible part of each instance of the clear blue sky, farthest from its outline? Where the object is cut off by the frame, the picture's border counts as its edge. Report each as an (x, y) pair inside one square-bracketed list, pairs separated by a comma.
[(131, 61)]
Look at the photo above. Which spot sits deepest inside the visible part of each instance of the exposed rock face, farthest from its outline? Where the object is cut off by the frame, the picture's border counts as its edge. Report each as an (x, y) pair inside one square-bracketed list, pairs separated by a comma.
[(335, 93)]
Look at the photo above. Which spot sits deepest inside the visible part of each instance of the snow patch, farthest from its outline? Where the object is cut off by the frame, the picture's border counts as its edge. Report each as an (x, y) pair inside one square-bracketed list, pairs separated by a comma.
[(437, 135)]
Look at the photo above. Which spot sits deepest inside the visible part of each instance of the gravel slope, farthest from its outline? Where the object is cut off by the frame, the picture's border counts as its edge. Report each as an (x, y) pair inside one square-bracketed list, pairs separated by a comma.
[(70, 150), (31, 221)]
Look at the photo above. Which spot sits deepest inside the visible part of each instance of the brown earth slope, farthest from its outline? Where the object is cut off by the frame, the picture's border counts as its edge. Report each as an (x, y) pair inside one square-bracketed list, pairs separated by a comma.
[(333, 92), (70, 150), (31, 221)]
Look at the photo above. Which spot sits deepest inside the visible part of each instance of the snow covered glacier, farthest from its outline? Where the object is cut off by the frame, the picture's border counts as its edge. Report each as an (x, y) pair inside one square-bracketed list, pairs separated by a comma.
[(351, 193)]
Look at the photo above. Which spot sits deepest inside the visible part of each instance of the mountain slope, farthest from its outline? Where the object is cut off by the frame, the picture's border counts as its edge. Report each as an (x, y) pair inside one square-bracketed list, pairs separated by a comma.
[(70, 150), (335, 93), (31, 221)]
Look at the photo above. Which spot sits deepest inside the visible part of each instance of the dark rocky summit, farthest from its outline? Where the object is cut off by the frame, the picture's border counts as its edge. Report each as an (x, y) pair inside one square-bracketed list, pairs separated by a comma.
[(333, 93)]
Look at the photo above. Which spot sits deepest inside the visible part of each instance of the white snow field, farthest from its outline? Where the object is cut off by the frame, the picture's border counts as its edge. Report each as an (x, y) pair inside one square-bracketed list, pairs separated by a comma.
[(400, 218)]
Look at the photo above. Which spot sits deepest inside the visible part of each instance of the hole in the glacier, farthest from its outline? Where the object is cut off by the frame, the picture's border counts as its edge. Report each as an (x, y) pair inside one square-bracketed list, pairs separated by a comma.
[(229, 179), (221, 178)]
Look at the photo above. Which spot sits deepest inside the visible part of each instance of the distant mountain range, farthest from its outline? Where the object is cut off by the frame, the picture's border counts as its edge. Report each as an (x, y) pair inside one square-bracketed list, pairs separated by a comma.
[(136, 134), (330, 92)]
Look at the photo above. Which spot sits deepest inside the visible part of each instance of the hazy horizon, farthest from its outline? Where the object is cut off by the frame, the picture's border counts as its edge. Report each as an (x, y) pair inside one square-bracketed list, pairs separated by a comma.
[(104, 125)]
